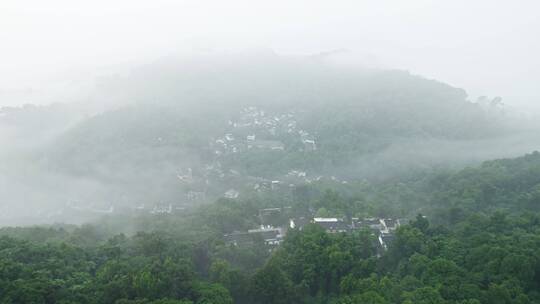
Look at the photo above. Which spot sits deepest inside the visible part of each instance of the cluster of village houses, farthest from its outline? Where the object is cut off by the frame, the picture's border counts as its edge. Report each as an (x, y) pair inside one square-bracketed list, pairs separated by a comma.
[(269, 232), (257, 184), (382, 228), (256, 129)]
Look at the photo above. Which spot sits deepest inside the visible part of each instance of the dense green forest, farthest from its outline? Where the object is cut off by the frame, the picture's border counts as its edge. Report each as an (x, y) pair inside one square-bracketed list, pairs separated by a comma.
[(478, 241)]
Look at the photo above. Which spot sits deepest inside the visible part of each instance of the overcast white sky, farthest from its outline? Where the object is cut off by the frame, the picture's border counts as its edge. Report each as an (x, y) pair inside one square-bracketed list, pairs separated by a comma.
[(488, 47)]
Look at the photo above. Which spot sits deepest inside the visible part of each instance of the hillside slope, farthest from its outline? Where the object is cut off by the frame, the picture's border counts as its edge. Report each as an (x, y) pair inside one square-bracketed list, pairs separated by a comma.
[(260, 120)]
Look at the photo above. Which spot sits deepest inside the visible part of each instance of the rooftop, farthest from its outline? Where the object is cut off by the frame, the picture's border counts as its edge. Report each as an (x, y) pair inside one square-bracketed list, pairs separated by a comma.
[(326, 219)]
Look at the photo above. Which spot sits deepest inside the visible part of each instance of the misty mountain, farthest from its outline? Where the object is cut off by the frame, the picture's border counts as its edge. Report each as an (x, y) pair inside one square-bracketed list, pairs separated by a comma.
[(183, 107), (190, 129)]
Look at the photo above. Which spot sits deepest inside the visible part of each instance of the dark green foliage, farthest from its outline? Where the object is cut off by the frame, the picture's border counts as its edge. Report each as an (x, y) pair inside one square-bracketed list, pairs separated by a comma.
[(512, 184), (478, 244), (490, 264), (147, 268)]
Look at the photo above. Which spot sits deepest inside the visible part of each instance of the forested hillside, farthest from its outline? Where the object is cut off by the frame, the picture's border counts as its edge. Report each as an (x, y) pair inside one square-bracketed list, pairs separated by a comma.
[(472, 247), (508, 184), (261, 117)]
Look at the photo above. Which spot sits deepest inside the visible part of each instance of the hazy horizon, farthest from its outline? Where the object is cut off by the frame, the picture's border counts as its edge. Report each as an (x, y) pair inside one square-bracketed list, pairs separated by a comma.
[(51, 52)]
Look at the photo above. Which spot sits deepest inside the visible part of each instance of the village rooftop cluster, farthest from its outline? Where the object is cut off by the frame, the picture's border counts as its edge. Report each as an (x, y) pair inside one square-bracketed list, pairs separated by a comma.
[(382, 228)]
